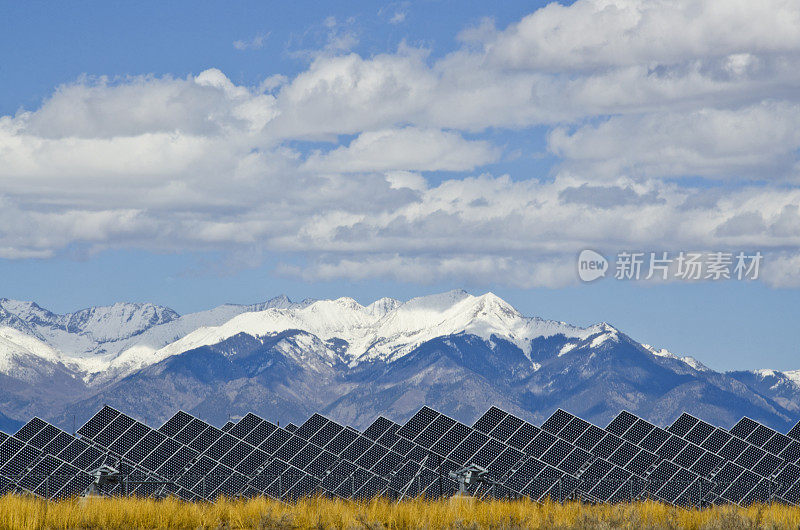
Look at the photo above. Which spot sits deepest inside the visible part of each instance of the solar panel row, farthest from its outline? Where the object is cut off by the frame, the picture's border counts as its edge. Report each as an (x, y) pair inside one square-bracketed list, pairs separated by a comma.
[(689, 463)]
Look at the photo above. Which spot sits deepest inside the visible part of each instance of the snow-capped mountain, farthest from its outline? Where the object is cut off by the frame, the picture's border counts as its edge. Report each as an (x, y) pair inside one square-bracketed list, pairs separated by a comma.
[(458, 352)]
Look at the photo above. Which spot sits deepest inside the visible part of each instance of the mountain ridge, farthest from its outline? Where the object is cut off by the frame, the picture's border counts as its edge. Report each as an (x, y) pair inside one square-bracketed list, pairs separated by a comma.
[(451, 350)]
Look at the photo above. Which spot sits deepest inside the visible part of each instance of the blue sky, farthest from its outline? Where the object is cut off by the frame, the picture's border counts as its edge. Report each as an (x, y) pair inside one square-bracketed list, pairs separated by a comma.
[(192, 154)]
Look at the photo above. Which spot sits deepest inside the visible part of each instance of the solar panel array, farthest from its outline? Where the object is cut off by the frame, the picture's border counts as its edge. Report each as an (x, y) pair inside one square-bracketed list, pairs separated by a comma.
[(689, 463)]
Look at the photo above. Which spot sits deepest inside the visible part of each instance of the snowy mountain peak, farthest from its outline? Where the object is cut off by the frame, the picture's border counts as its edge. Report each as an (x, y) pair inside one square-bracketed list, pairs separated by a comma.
[(691, 361)]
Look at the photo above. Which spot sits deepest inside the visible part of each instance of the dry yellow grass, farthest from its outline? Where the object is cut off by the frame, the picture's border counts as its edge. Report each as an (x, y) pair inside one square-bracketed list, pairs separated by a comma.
[(21, 512)]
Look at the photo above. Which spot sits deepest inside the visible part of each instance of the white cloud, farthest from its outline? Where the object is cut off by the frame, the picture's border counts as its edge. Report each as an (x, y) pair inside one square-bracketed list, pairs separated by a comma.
[(758, 141), (634, 92), (410, 149), (256, 43)]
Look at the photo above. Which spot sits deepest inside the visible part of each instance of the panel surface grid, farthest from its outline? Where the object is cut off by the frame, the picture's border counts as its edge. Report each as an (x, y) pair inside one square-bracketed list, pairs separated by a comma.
[(621, 423), (760, 436), (637, 432), (744, 427), (794, 433), (311, 426), (523, 436), (377, 428), (417, 423), (97, 422), (700, 432), (489, 420), (574, 430), (506, 428), (177, 422), (30, 429), (557, 421), (291, 427), (683, 425), (589, 439), (434, 431)]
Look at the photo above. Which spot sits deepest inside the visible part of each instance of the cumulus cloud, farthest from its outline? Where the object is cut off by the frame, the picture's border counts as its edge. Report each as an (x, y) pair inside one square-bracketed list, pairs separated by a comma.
[(635, 95)]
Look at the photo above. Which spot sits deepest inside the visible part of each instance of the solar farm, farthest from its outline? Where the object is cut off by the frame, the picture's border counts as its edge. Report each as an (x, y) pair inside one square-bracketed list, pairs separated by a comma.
[(690, 464)]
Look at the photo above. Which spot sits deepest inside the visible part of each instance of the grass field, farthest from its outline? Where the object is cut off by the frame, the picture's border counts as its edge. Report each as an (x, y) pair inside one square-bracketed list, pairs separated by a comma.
[(20, 512)]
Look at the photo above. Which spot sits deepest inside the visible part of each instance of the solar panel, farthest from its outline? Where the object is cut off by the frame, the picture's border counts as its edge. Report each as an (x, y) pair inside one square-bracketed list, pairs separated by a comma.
[(744, 427), (795, 432), (621, 423), (557, 421)]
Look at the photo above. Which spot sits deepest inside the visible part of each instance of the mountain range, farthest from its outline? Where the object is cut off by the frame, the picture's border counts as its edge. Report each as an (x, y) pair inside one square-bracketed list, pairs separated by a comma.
[(284, 360)]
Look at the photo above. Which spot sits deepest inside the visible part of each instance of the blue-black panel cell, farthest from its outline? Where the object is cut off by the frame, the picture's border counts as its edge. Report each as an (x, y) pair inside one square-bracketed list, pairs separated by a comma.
[(114, 430), (275, 441), (176, 423), (205, 439), (768, 465), (595, 472), (377, 428), (523, 436), (228, 426), (322, 464), (434, 431), (574, 430), (557, 421), (71, 451), (191, 431), (760, 435), (30, 429), (489, 420), (466, 449), (541, 443), (341, 441), (232, 485), (288, 450), (791, 452), (524, 474), (291, 427), (386, 465), (795, 432), (707, 464), (614, 481), (403, 446), (683, 425), (245, 425), (487, 453), (654, 440), (89, 460), (59, 443), (664, 471), (621, 423), (751, 456), (371, 456), (457, 434), (575, 461), (252, 462), (97, 422), (18, 463), (357, 448), (744, 427), (733, 449), (131, 437), (671, 447), (44, 437), (389, 438), (589, 439), (145, 446), (624, 454), (310, 427), (688, 456), (219, 448), (642, 462), (557, 453), (260, 433), (607, 446), (716, 441), (699, 433), (237, 453), (506, 428), (417, 423), (304, 456), (777, 444)]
